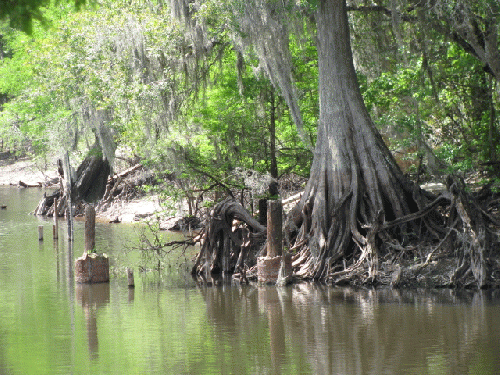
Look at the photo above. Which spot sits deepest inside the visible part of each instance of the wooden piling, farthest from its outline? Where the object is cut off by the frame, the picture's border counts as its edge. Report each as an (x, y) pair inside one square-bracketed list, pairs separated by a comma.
[(130, 277), (89, 228), (274, 228), (40, 233), (67, 193), (268, 267), (55, 226), (91, 267)]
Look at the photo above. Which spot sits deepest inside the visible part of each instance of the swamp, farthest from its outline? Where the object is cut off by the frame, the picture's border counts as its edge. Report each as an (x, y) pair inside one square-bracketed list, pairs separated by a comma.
[(172, 325), (252, 186)]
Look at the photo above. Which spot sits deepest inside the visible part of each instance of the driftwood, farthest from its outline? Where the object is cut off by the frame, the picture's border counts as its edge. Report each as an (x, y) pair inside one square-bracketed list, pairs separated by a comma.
[(456, 246), (230, 237), (25, 185), (91, 172), (118, 188)]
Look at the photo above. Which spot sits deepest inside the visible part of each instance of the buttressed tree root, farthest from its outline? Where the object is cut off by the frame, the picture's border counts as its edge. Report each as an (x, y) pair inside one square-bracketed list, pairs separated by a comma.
[(451, 241)]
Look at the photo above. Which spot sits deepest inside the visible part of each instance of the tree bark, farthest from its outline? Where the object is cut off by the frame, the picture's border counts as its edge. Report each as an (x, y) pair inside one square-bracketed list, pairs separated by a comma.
[(359, 215), (92, 176), (353, 175), (90, 186), (225, 248)]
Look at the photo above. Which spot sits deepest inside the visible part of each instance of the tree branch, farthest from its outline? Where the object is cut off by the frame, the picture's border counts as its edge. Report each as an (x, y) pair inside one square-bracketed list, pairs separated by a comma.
[(378, 8)]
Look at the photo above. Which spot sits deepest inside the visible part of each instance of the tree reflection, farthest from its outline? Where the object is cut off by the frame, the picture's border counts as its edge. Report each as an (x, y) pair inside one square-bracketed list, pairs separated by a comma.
[(323, 330), (92, 297)]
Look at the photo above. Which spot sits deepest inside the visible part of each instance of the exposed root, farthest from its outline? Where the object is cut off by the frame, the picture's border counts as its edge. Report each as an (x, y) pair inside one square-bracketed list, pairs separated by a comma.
[(454, 228), (452, 247), (120, 187), (231, 237)]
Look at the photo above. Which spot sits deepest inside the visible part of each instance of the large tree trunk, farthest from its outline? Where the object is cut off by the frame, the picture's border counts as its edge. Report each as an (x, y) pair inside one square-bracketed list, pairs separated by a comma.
[(89, 186), (359, 218), (358, 206), (354, 178), (92, 176)]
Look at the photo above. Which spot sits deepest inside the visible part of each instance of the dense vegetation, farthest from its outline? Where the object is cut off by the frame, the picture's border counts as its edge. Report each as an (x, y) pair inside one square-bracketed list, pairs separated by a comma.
[(131, 76), (214, 93), (209, 110)]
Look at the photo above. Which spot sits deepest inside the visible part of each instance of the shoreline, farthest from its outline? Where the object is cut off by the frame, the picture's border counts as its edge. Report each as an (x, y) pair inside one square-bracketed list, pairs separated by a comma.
[(27, 171)]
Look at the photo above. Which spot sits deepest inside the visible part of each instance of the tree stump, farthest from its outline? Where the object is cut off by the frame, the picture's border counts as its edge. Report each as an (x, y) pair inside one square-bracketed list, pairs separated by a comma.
[(268, 267), (92, 268)]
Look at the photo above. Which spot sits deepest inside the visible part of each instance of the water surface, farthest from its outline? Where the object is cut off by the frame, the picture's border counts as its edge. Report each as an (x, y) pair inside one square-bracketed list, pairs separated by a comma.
[(170, 325)]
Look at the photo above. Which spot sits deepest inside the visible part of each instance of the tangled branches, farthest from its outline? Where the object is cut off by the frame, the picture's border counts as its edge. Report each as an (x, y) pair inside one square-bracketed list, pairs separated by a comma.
[(451, 241)]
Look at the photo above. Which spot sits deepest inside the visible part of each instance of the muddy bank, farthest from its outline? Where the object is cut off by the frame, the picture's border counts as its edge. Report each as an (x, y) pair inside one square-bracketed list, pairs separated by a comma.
[(29, 172), (13, 170)]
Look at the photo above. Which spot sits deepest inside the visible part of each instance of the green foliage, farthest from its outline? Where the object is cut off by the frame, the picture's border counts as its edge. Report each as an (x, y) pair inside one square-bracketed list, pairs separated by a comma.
[(196, 116), (225, 129), (78, 70), (200, 110), (22, 14), (422, 88)]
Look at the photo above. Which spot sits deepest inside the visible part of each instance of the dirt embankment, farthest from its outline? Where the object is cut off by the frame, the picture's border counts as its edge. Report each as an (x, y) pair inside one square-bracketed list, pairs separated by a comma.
[(12, 171), (28, 172)]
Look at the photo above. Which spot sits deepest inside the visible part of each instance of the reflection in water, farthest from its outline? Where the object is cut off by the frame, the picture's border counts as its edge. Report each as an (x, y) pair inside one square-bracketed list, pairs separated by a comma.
[(58, 264), (131, 294), (71, 265), (346, 331), (270, 301), (92, 297), (168, 325)]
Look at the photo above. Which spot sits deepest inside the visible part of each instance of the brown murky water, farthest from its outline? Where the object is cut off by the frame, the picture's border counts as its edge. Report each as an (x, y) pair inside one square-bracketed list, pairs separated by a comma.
[(170, 325)]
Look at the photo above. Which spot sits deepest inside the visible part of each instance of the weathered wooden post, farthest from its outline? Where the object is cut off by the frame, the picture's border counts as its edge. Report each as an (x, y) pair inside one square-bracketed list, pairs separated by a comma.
[(67, 193), (55, 226), (89, 228), (130, 277), (91, 267), (40, 233), (268, 267), (274, 228)]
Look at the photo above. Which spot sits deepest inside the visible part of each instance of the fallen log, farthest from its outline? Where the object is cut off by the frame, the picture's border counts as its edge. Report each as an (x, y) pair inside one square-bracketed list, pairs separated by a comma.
[(25, 185), (224, 242)]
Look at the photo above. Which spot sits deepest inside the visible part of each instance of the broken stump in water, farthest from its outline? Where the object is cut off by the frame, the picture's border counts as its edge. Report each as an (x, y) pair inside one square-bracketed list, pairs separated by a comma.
[(268, 267), (91, 267)]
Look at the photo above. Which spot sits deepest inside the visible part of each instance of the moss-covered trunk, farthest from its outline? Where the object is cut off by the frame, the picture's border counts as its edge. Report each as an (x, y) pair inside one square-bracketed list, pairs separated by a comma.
[(354, 179)]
